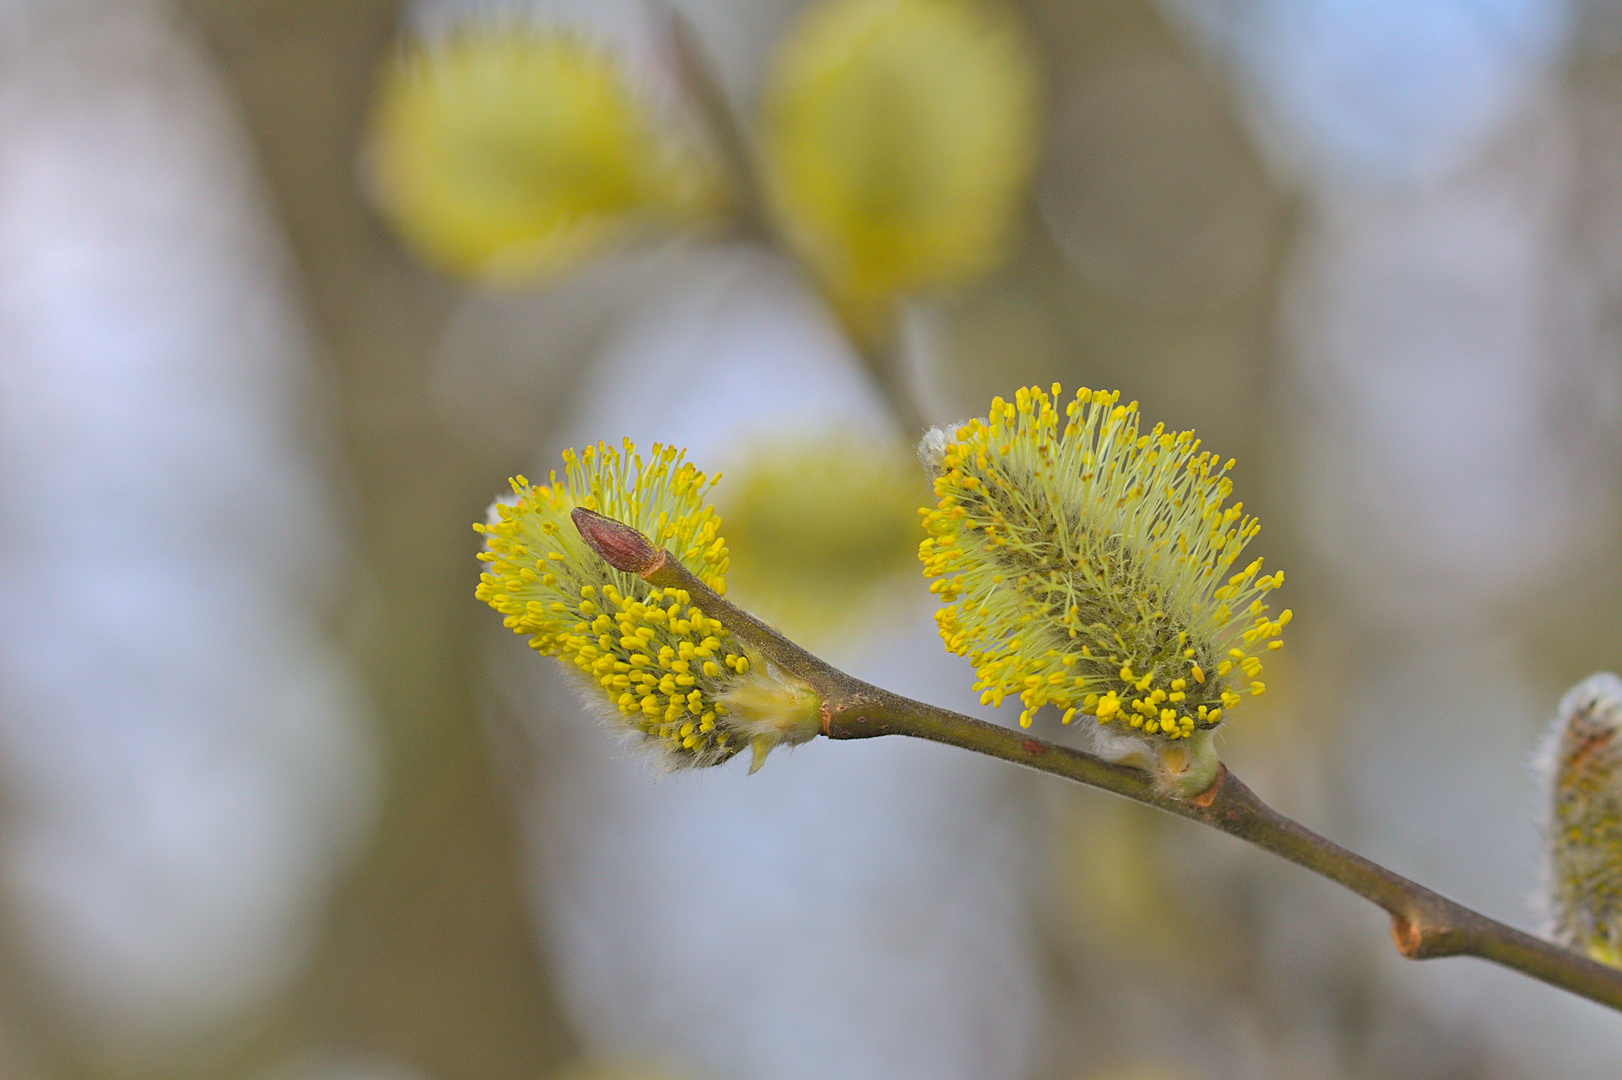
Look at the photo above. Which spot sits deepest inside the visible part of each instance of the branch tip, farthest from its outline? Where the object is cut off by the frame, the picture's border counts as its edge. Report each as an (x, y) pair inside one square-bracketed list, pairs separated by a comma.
[(621, 546)]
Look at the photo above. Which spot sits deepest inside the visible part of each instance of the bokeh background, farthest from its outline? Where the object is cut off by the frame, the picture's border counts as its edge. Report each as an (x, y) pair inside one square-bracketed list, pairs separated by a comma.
[(279, 800)]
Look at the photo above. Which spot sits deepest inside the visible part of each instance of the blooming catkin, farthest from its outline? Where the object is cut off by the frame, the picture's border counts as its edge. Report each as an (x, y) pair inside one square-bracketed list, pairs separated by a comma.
[(1086, 566), (659, 662), (1581, 759)]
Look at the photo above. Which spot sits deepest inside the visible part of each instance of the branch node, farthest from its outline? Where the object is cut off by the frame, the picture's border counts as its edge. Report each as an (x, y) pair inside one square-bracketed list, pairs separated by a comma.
[(1205, 798), (1407, 936)]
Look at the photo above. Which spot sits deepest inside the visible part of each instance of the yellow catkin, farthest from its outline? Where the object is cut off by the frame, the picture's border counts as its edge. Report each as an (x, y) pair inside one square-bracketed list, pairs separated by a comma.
[(1088, 565), (658, 661)]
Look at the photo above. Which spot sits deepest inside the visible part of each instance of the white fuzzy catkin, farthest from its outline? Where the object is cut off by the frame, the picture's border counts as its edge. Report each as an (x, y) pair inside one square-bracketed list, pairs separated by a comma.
[(1580, 762)]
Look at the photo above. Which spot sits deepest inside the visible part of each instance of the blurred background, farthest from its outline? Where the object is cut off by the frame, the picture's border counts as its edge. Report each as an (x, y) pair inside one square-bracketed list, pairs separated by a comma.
[(289, 288)]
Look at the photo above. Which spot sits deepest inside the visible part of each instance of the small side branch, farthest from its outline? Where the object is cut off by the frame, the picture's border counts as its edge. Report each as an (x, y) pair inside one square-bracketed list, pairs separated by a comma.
[(703, 85), (1424, 924)]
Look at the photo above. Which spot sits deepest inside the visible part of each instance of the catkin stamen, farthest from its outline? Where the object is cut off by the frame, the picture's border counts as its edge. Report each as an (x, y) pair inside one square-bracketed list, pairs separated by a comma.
[(1087, 566)]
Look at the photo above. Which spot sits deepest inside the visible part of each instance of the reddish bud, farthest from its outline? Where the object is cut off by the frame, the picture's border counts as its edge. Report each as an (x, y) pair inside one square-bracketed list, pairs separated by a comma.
[(621, 546)]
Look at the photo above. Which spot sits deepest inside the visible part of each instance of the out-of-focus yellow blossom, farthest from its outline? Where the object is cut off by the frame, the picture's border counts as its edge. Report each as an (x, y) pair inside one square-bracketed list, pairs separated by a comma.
[(659, 663), (819, 528), (897, 138), (1581, 760), (510, 152), (1085, 565)]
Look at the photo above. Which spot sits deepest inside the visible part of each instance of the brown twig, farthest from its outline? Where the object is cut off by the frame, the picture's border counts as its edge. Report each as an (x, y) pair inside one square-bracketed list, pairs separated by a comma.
[(702, 84), (1424, 924), (876, 343)]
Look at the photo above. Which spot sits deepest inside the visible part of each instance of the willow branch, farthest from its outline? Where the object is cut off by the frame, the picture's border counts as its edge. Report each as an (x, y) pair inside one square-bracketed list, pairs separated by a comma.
[(1424, 923), (876, 345), (702, 83)]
